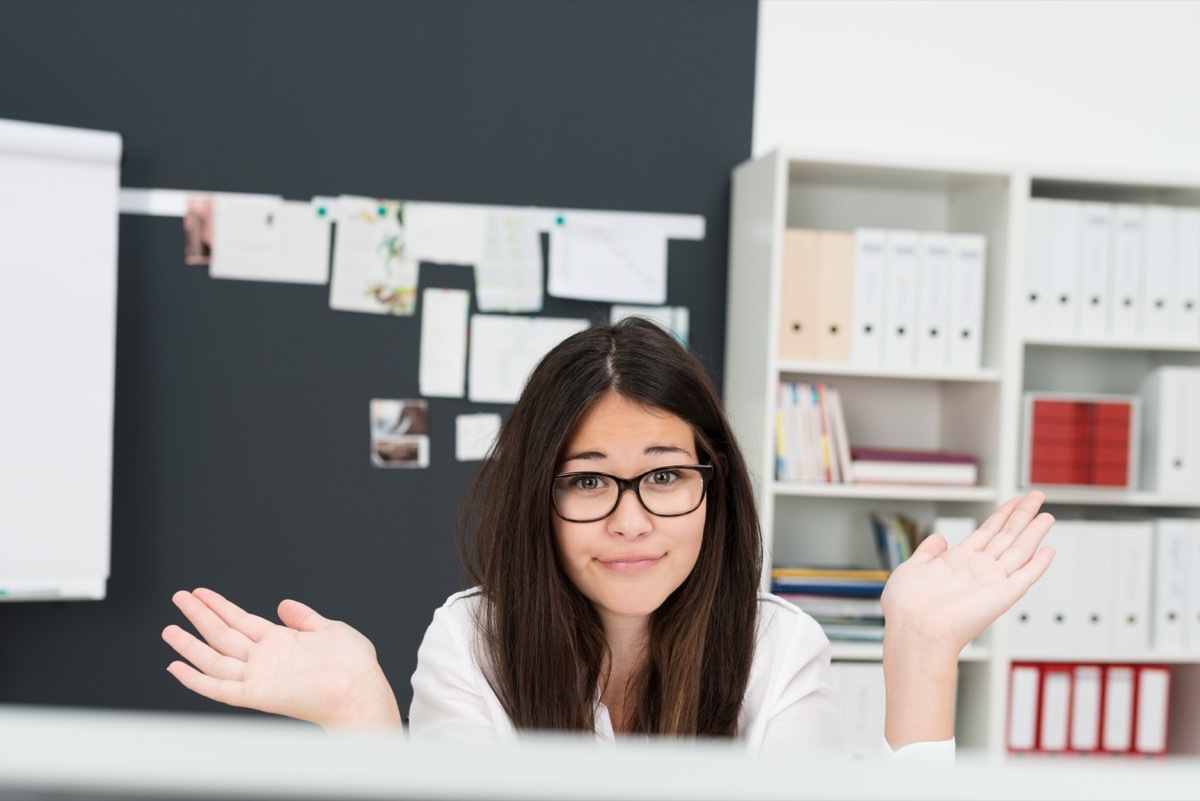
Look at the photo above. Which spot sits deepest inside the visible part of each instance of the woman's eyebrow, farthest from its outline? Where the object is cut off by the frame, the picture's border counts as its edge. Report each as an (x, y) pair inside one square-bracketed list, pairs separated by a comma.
[(585, 455), (654, 450)]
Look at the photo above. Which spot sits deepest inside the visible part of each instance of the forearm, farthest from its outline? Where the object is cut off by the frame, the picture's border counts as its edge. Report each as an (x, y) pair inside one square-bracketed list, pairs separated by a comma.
[(920, 689)]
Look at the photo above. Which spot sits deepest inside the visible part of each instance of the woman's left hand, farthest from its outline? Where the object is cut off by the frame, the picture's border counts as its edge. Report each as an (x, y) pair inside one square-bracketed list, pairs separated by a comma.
[(942, 598)]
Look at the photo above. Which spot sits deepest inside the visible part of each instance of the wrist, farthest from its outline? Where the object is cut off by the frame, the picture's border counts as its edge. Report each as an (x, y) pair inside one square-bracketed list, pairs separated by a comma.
[(369, 704)]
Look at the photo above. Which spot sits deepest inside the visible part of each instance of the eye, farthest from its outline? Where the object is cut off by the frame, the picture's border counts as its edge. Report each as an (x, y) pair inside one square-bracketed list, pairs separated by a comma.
[(590, 482), (662, 478)]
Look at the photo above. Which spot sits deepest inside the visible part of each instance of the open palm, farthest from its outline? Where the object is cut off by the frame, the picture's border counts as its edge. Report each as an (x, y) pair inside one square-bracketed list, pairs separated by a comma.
[(309, 668), (945, 597)]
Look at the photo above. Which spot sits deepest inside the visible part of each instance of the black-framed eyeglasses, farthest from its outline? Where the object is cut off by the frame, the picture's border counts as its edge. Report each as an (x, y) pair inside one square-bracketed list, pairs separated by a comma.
[(671, 491)]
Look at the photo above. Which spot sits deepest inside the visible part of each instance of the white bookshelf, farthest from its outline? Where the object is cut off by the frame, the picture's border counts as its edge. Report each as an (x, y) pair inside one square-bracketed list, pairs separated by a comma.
[(979, 411)]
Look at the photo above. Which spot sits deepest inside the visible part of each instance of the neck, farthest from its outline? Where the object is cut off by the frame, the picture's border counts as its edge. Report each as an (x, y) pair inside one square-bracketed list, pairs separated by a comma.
[(627, 639)]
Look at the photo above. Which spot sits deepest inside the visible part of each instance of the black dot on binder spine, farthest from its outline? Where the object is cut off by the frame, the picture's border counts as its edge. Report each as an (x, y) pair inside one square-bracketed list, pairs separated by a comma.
[(1158, 304), (933, 332), (796, 327), (833, 329), (1063, 299), (1033, 296), (1095, 300), (867, 329)]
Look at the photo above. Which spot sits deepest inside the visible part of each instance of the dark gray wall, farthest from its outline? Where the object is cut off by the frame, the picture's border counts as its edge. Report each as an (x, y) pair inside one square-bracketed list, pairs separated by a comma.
[(241, 453)]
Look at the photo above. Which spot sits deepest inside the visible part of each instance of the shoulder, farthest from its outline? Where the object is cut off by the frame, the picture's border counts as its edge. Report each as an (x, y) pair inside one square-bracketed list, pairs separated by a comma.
[(460, 609), (786, 631)]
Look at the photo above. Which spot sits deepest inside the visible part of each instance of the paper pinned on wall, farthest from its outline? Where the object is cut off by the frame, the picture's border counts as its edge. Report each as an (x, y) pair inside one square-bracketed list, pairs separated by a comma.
[(608, 257), (509, 276), (445, 233), (504, 351), (266, 238), (442, 371), (372, 270), (475, 434), (672, 318)]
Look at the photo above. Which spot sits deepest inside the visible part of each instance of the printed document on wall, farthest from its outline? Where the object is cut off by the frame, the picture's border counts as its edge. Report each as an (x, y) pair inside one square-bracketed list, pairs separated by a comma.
[(673, 318), (267, 238), (372, 269), (443, 367), (509, 276), (474, 436), (608, 258), (445, 233), (504, 351)]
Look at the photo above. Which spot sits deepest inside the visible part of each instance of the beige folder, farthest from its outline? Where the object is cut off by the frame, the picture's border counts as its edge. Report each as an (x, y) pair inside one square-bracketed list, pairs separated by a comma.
[(835, 298), (798, 295)]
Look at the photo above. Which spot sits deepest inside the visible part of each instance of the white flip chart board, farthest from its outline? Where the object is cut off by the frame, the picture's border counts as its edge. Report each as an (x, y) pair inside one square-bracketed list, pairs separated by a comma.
[(59, 191)]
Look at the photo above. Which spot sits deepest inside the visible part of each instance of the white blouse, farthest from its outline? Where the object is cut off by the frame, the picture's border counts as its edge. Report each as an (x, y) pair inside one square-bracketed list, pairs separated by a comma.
[(789, 705)]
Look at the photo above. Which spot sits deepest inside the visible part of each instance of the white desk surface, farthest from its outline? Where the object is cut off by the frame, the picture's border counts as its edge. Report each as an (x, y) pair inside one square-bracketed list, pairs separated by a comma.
[(68, 754)]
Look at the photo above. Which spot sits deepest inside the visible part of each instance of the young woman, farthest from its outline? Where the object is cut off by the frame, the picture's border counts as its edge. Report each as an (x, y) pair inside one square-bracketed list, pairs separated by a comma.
[(615, 545)]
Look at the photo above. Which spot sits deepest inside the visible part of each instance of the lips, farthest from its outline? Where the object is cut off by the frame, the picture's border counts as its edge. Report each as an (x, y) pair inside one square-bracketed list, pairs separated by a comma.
[(631, 563)]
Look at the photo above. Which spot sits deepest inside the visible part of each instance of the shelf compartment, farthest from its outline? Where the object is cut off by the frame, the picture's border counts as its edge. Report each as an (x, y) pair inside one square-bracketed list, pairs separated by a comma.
[(1077, 496), (848, 651), (886, 492), (1107, 343), (819, 369)]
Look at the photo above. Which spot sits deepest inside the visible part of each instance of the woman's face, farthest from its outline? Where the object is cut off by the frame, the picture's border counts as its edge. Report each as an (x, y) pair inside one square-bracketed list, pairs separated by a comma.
[(628, 563)]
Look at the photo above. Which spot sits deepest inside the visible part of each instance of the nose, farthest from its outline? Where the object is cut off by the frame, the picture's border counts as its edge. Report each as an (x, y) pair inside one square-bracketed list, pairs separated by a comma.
[(630, 519)]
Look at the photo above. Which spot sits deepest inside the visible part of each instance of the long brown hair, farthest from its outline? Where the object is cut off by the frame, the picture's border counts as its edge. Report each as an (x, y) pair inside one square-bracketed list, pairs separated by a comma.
[(542, 640)]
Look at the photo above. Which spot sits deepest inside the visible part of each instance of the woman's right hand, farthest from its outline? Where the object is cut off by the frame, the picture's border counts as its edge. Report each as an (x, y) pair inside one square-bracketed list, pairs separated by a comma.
[(309, 668)]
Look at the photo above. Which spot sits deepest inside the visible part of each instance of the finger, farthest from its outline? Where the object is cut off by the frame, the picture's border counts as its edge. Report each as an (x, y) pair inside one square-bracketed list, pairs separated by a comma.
[(235, 617), (215, 631), (980, 537), (301, 617), (227, 692), (930, 548), (1026, 544), (207, 660), (1022, 579), (1021, 516)]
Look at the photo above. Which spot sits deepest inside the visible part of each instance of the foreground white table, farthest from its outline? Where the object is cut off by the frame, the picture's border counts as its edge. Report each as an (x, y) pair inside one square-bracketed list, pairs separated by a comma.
[(73, 754)]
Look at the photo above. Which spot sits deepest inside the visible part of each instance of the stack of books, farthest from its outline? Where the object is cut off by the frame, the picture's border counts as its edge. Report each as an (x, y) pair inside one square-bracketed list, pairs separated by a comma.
[(896, 537), (845, 601), (894, 466), (811, 444)]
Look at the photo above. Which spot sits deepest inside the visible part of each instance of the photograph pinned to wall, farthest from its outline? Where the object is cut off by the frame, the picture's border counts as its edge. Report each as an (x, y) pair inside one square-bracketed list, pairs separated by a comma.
[(197, 230), (673, 318), (607, 256), (399, 433), (509, 277), (474, 436), (372, 269), (267, 238)]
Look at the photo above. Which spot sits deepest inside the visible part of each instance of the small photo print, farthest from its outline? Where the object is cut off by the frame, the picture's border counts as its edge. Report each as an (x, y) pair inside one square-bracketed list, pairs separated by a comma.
[(197, 230), (399, 433)]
